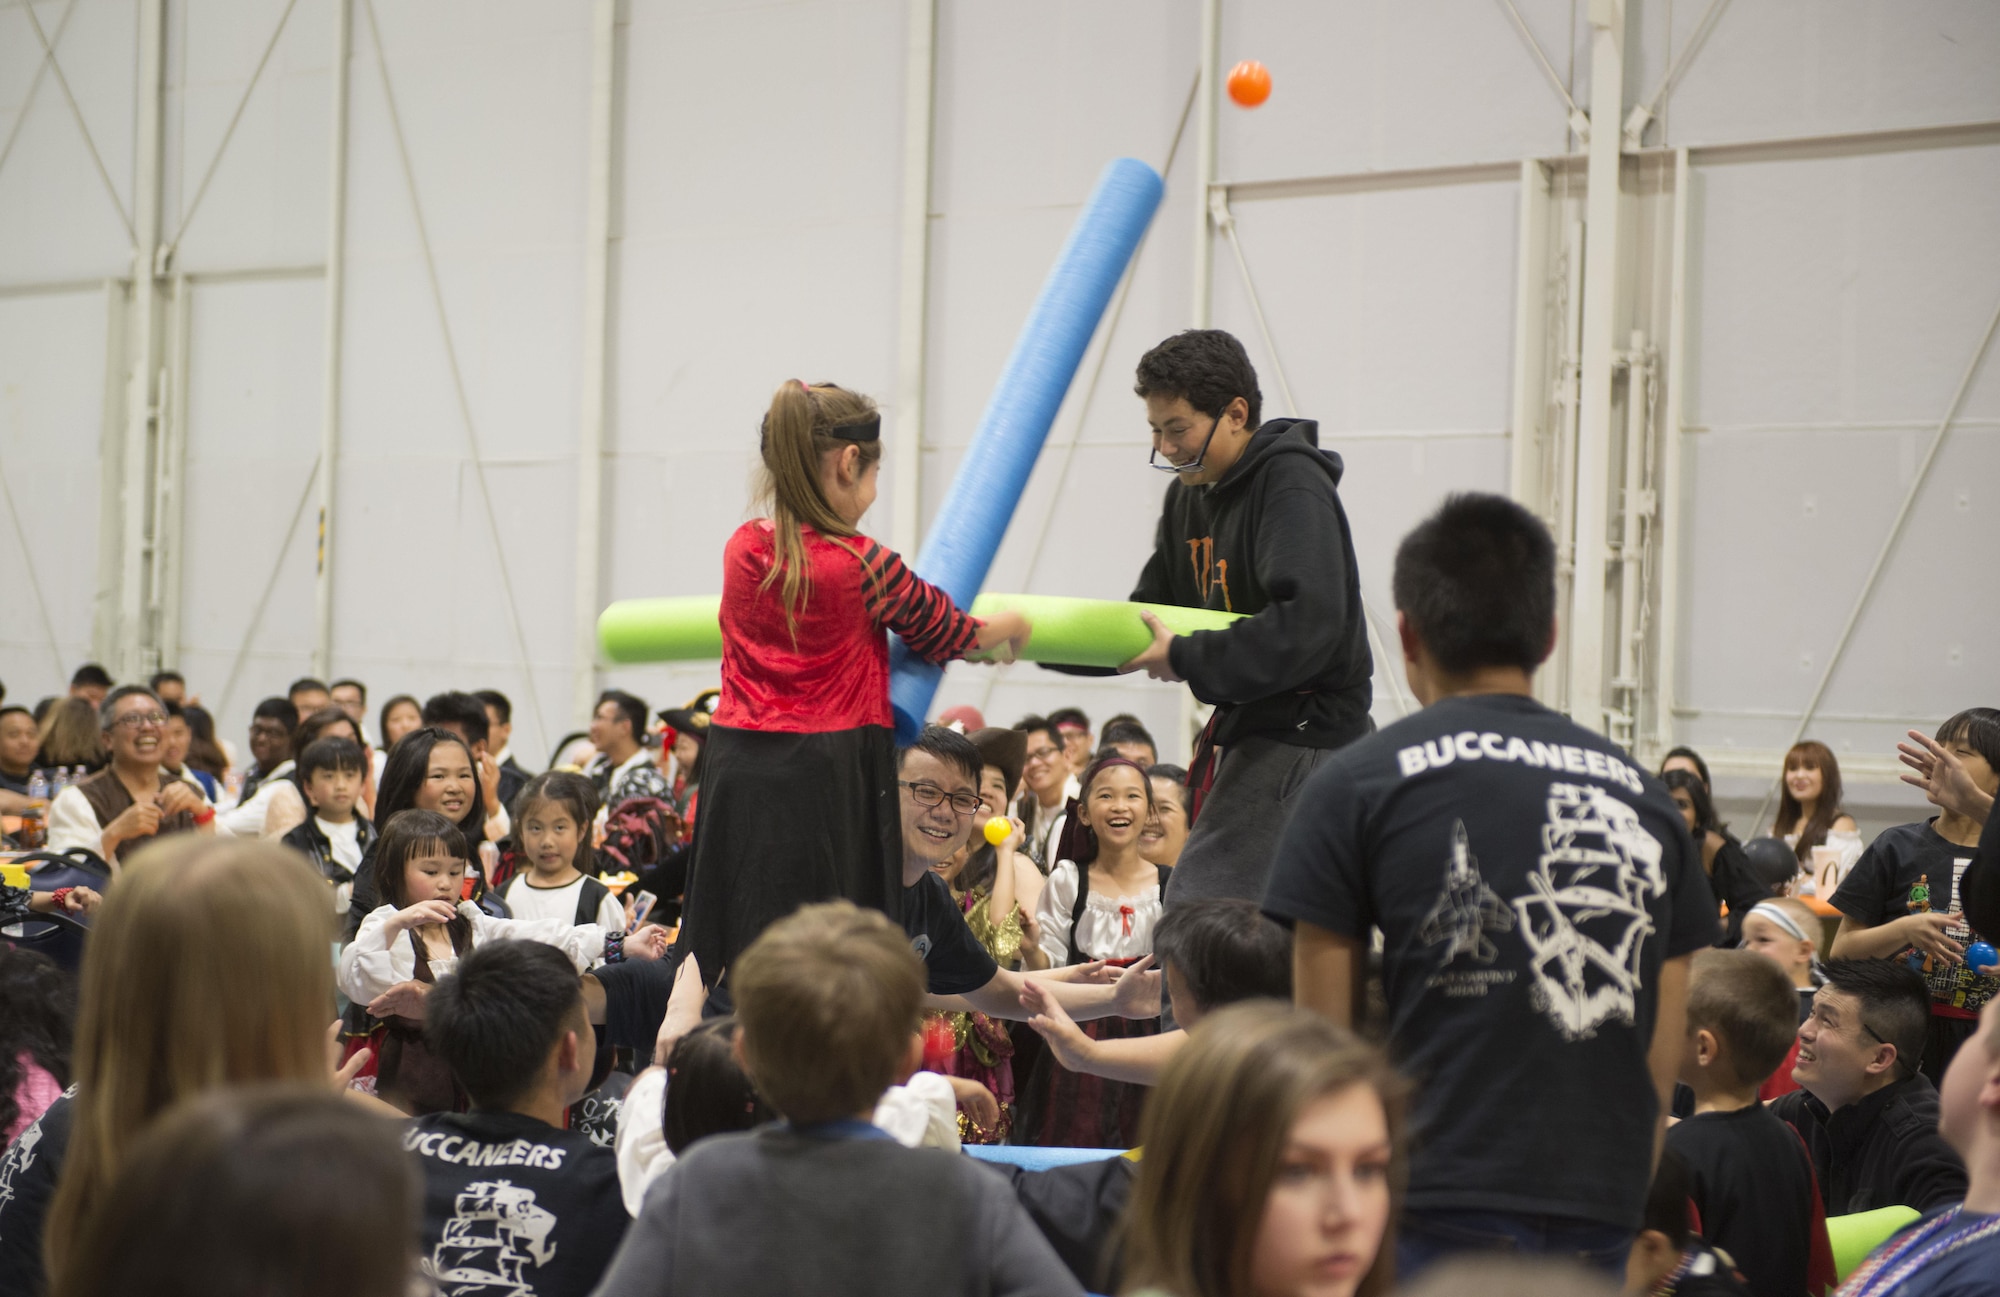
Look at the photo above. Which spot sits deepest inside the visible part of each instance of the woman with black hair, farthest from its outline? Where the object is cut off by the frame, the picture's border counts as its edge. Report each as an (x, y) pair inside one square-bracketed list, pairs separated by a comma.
[(429, 769), (1730, 876)]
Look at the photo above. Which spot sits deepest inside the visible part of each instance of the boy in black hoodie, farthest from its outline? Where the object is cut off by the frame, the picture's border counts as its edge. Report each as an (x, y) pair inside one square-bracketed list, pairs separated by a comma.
[(1252, 524)]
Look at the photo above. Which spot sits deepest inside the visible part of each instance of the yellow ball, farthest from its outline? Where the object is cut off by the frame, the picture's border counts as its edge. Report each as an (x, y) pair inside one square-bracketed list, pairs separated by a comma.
[(998, 830)]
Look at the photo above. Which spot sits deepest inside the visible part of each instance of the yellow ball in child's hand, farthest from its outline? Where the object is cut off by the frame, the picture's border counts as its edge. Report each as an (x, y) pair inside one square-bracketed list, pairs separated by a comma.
[(998, 830)]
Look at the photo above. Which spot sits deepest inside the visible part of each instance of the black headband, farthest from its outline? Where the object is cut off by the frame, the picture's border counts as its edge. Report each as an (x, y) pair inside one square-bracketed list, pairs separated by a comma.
[(869, 429)]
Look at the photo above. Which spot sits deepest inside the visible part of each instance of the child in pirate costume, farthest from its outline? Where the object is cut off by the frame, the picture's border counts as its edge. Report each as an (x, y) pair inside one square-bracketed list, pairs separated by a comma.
[(799, 798)]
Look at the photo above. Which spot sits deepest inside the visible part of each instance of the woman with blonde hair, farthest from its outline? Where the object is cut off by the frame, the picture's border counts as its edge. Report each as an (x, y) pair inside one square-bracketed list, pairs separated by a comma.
[(207, 966), (1274, 1163), (1810, 815)]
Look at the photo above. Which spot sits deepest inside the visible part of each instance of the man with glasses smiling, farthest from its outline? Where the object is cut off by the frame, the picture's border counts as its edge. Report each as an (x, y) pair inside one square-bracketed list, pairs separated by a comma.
[(1867, 1115), (1252, 523), (132, 800), (938, 786)]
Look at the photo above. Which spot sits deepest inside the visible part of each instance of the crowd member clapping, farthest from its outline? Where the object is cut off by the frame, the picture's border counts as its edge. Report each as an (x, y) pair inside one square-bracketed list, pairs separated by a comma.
[(207, 967), (253, 1191)]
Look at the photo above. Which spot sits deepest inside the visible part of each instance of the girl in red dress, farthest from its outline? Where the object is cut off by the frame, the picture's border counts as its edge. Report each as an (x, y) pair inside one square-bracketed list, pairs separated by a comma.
[(798, 777)]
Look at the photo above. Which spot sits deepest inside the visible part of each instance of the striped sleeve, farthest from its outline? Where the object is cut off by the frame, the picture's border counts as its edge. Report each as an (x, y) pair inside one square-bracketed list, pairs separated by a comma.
[(931, 626)]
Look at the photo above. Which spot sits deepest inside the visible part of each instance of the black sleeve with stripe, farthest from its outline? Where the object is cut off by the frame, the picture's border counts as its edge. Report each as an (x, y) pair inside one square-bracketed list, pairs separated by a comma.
[(931, 626)]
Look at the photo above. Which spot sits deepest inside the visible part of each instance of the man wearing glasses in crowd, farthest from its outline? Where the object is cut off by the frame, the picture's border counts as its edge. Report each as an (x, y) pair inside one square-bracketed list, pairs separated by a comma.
[(131, 801), (938, 786), (1251, 524)]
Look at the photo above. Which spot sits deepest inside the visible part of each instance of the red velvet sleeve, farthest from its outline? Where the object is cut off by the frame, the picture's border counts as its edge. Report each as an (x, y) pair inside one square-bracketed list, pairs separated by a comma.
[(931, 626)]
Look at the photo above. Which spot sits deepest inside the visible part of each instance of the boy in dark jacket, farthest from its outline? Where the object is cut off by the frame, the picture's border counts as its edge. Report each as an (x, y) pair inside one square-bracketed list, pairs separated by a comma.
[(1251, 524), (335, 835), (1868, 1116)]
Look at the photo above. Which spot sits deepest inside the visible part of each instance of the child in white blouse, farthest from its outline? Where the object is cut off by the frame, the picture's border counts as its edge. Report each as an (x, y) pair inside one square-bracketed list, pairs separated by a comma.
[(1103, 897), (417, 935), (1102, 902)]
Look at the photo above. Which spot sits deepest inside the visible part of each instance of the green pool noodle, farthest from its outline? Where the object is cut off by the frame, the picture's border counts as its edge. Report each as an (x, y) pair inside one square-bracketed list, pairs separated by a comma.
[(1067, 632), (1855, 1235)]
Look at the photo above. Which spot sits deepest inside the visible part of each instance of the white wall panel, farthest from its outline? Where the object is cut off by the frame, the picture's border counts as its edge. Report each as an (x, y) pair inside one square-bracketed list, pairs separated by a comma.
[(51, 410), (1837, 304), (253, 404), (57, 221)]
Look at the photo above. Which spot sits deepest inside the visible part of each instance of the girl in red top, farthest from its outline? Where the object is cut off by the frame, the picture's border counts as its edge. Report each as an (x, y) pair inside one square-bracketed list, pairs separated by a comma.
[(798, 778)]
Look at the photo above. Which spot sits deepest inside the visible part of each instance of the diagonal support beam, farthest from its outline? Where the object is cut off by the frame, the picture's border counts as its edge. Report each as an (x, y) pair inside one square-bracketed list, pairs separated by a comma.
[(89, 142)]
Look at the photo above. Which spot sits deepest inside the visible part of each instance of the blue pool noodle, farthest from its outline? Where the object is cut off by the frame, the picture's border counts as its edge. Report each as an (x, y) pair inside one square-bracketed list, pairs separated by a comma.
[(966, 533)]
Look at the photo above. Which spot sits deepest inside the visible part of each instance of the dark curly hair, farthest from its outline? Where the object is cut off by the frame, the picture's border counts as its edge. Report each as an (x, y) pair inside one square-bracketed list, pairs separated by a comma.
[(1206, 367), (37, 1018)]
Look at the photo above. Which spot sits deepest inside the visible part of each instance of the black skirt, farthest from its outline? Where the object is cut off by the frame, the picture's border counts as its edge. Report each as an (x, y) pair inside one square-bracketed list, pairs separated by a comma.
[(786, 820)]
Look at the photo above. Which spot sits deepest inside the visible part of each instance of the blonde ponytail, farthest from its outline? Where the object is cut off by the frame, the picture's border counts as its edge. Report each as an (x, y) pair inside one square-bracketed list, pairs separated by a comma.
[(797, 436)]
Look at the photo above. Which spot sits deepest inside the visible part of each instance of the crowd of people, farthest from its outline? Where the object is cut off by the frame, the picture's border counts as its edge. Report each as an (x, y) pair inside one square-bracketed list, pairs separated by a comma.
[(718, 999)]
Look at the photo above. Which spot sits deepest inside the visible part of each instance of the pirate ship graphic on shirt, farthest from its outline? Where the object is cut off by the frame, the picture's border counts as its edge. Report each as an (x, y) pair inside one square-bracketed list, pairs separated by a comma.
[(1585, 919), (495, 1233)]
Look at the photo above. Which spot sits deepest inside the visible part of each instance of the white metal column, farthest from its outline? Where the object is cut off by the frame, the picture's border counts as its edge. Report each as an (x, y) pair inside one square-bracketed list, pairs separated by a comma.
[(1666, 640), (596, 322), (913, 308), (336, 284), (1600, 304), (1528, 433), (134, 653)]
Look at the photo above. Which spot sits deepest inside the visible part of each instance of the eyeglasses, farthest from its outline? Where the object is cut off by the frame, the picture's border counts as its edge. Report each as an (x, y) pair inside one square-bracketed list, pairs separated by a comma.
[(140, 720), (1153, 459), (932, 795), (1043, 754)]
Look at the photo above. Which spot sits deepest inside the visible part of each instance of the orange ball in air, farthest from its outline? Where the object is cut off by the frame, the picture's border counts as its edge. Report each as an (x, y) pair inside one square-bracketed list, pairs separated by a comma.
[(1249, 83)]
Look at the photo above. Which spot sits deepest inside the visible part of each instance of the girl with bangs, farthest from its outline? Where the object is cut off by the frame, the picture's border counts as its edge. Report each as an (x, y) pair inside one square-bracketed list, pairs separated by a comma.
[(1102, 901), (416, 935), (1810, 815)]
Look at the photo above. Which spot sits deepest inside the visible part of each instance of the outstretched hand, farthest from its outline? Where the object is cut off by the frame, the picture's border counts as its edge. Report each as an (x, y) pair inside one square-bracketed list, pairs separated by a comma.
[(1154, 659), (1066, 1040), (683, 1009), (1137, 994), (343, 1073), (977, 1101), (403, 1000), (1943, 778)]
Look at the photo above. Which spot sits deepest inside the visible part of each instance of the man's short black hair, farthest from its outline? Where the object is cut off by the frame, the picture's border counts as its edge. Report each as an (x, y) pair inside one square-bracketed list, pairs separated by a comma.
[(1225, 950), (306, 684), (91, 676), (358, 687), (950, 747), (1124, 729), (1895, 1004), (456, 710), (1034, 724), (336, 754), (498, 702), (277, 709), (1979, 729), (166, 677), (1206, 367), (495, 1019), (632, 709), (1477, 581)]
